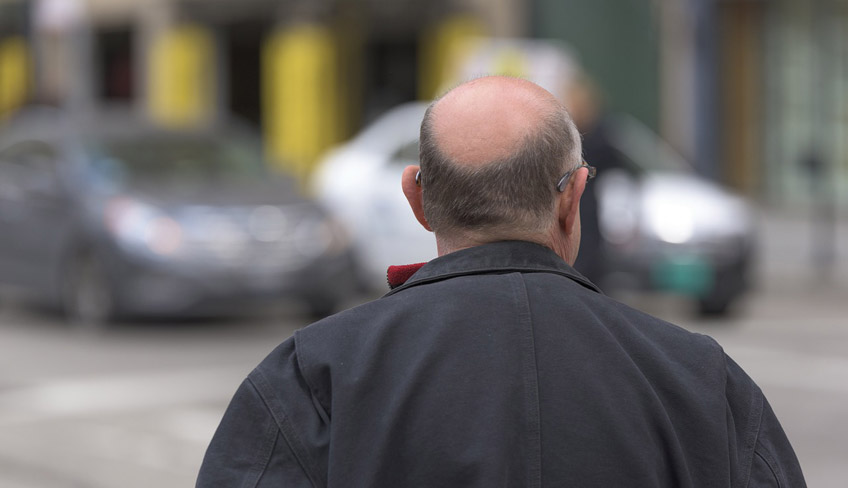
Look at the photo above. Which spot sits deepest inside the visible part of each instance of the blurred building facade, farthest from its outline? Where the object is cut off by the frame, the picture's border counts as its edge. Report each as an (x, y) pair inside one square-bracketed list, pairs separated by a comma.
[(804, 76), (307, 73), (752, 91)]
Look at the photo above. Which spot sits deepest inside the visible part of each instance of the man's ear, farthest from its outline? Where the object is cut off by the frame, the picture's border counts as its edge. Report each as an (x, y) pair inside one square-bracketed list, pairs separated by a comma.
[(569, 203), (413, 194)]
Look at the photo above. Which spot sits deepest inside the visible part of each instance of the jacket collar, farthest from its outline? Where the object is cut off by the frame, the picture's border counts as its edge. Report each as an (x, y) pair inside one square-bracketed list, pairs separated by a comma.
[(494, 258)]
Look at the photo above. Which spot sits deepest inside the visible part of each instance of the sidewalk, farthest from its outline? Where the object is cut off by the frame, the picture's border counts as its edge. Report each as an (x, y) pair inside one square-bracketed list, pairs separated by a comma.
[(786, 259)]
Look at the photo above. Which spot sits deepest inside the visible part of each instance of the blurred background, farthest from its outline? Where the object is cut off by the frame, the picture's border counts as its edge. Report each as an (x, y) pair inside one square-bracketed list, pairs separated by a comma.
[(184, 183)]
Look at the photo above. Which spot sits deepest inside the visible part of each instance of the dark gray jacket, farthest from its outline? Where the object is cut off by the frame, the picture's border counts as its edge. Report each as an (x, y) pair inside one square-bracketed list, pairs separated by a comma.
[(498, 366)]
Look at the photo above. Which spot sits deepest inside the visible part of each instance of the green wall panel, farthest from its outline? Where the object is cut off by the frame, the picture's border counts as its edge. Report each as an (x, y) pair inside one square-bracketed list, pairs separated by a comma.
[(617, 43)]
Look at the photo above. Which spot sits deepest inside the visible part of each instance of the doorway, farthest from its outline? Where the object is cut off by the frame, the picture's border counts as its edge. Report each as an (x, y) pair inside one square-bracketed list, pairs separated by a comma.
[(242, 64), (115, 64)]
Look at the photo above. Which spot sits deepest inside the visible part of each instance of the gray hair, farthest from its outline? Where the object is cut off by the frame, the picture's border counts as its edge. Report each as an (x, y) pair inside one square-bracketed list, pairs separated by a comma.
[(514, 196)]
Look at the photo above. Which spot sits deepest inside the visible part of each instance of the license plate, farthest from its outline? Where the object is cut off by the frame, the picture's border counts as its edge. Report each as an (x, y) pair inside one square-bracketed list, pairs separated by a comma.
[(691, 275)]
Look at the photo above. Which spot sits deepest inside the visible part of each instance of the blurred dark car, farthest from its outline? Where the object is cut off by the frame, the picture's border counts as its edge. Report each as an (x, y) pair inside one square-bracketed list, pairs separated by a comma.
[(117, 218)]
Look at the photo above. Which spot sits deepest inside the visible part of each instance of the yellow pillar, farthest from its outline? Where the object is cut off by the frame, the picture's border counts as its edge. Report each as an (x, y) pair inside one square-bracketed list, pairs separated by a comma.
[(300, 96), (441, 48), (182, 76), (14, 74)]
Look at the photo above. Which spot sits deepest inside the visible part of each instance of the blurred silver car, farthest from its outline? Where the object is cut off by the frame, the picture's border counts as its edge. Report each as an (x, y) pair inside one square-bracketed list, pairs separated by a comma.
[(663, 227), (109, 217)]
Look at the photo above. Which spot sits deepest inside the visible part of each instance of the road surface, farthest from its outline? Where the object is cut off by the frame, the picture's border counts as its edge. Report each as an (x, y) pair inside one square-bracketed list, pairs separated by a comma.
[(137, 405)]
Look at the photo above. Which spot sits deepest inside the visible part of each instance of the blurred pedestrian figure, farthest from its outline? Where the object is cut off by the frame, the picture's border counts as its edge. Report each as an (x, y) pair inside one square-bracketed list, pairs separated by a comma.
[(585, 105), (498, 364)]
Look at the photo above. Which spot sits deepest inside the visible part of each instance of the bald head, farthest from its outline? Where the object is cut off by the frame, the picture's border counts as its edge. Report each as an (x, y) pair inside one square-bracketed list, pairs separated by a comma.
[(491, 153), (488, 119)]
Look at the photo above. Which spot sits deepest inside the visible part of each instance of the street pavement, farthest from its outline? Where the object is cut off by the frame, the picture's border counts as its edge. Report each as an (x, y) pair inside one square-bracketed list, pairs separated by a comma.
[(135, 406)]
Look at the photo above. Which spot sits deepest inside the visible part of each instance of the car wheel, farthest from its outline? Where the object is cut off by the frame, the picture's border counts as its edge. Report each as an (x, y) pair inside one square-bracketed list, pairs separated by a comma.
[(730, 283), (714, 306), (88, 300)]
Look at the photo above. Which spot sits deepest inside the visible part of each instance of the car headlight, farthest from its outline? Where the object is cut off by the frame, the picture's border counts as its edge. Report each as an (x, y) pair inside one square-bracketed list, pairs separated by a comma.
[(138, 226), (670, 220), (267, 223), (315, 236)]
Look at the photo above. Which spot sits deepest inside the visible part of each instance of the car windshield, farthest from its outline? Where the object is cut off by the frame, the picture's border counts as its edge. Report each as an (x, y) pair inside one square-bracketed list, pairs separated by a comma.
[(185, 159), (645, 149)]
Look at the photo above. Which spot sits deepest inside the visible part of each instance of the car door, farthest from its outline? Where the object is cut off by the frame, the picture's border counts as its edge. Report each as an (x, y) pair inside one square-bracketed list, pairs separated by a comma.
[(398, 234), (33, 214)]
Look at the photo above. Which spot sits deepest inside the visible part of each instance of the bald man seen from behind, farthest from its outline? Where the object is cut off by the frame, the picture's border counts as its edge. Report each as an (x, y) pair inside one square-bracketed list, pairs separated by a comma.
[(497, 364)]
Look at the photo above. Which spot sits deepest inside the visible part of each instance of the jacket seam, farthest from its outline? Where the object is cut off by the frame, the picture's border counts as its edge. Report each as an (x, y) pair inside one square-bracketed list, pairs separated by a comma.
[(753, 432), (772, 465), (264, 452), (531, 382), (274, 406), (299, 339)]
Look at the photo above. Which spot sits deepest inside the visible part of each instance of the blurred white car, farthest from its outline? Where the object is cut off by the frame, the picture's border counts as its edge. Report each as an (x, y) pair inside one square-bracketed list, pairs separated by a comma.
[(359, 182), (663, 227)]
